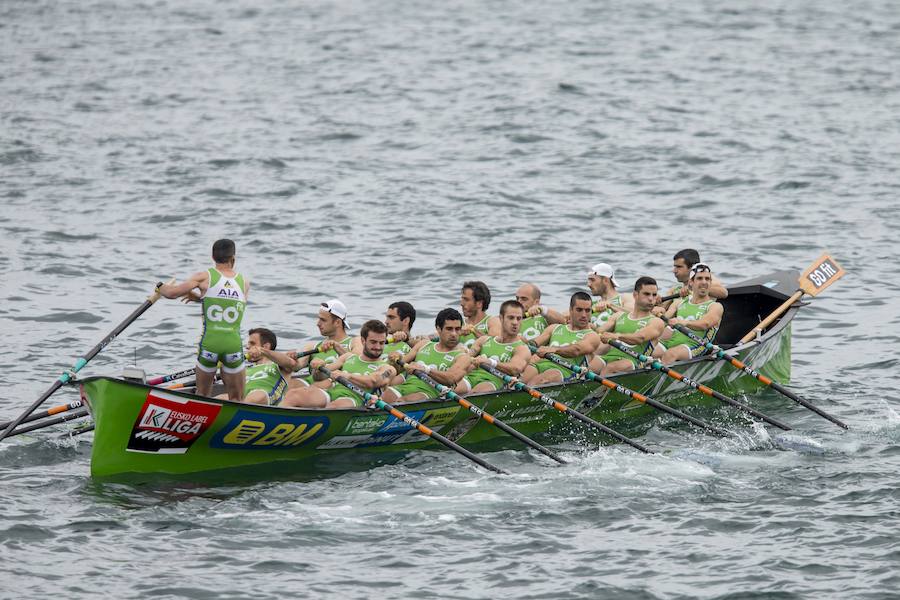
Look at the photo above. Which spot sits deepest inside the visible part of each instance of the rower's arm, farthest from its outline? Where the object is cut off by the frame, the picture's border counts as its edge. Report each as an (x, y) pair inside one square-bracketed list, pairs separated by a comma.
[(303, 361), (356, 345), (711, 319), (673, 308), (544, 337), (475, 350), (411, 355), (379, 378), (457, 371), (717, 290), (517, 363), (176, 290), (587, 345), (650, 332), (284, 362), (334, 366)]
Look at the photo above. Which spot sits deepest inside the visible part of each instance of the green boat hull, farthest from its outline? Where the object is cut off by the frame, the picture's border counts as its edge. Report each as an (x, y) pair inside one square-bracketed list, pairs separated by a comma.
[(142, 430)]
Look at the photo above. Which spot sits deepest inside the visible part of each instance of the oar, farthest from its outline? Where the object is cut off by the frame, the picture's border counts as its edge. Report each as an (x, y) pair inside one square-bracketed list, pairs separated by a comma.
[(446, 391), (76, 414), (719, 353), (171, 377), (373, 400), (81, 362), (658, 366), (815, 278), (566, 410), (635, 395), (670, 297), (47, 413)]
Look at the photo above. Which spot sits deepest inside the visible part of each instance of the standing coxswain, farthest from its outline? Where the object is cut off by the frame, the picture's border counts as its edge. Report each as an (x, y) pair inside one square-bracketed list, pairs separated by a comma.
[(222, 292)]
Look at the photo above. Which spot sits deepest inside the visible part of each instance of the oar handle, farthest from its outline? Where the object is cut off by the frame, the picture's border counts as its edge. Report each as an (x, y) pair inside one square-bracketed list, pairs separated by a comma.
[(480, 412), (563, 408), (372, 400), (171, 377)]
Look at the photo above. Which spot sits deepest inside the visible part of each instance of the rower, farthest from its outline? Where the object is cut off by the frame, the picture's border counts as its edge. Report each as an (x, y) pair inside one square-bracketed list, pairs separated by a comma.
[(537, 316), (601, 280), (222, 292), (332, 324), (269, 371), (474, 302), (681, 268), (398, 319), (638, 329), (369, 370), (574, 341), (445, 360), (699, 312), (505, 352)]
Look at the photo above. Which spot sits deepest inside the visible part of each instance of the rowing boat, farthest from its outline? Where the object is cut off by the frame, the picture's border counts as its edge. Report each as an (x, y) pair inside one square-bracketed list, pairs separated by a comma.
[(142, 429)]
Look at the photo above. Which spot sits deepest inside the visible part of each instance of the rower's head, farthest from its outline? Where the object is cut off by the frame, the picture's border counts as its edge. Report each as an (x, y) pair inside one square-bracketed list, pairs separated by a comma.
[(701, 278), (601, 279), (332, 318), (511, 314), (400, 316), (475, 298), (260, 337), (682, 263), (223, 252), (528, 295), (645, 293), (374, 336), (580, 310), (448, 325)]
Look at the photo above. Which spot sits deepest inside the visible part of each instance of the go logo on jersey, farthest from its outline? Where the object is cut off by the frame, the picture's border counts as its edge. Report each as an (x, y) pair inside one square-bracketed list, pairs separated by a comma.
[(229, 314)]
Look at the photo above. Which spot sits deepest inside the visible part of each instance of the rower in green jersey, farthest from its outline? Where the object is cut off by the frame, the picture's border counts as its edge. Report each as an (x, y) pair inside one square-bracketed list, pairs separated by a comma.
[(537, 316), (445, 360), (505, 352), (332, 324), (268, 372), (398, 319), (575, 342), (223, 297), (475, 299), (369, 370), (601, 280), (638, 329), (699, 312), (682, 263)]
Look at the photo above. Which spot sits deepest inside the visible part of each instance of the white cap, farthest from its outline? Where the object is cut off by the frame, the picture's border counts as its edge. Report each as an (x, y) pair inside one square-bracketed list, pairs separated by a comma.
[(335, 307), (604, 270)]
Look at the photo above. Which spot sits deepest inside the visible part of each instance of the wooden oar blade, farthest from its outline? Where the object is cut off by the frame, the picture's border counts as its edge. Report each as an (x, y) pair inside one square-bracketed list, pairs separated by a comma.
[(822, 273)]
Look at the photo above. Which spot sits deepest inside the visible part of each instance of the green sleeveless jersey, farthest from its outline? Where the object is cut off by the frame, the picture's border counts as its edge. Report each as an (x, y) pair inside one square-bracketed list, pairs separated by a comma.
[(481, 328), (533, 327), (563, 336), (266, 377), (599, 318), (430, 356), (401, 347), (223, 305), (625, 324), (494, 348), (357, 365), (691, 312)]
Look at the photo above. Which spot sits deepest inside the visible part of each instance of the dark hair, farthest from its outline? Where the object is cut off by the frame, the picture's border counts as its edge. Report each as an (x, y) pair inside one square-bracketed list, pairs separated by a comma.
[(223, 251), (265, 337), (689, 255), (373, 326), (511, 304), (578, 296), (405, 310), (448, 314), (642, 281), (480, 292)]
